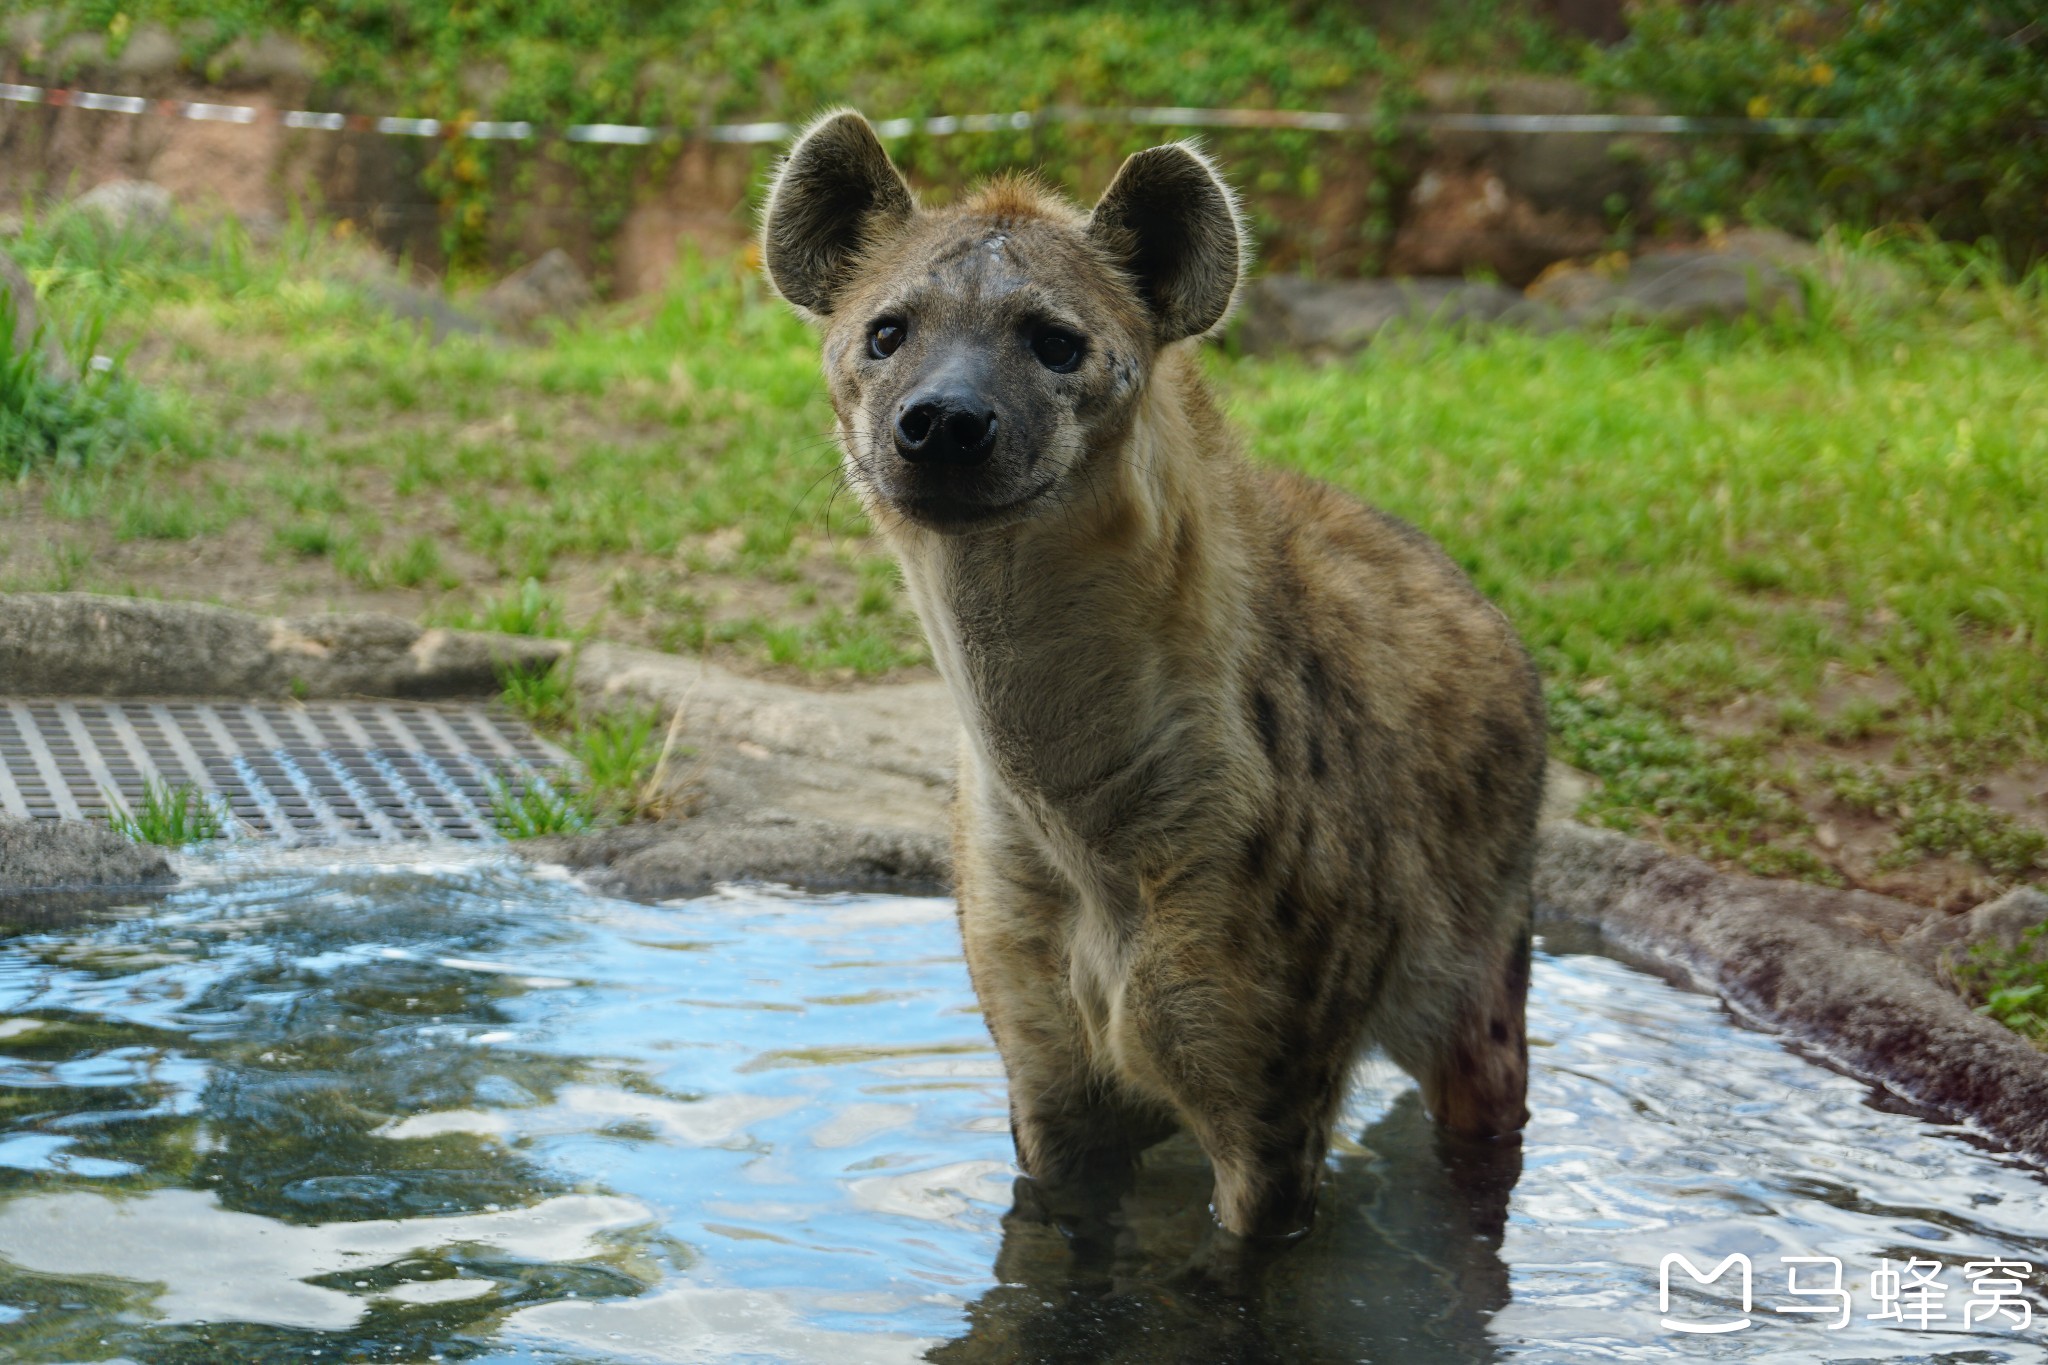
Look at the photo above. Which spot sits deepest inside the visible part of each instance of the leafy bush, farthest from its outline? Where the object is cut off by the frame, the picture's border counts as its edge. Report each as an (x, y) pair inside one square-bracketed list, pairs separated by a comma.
[(1939, 102)]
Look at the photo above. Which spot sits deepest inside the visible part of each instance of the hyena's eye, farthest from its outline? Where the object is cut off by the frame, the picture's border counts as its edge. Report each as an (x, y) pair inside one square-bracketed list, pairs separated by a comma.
[(884, 337), (1057, 350)]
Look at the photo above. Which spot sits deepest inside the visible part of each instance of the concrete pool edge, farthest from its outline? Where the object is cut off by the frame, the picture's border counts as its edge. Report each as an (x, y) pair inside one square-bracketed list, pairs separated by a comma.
[(849, 789), (1809, 961)]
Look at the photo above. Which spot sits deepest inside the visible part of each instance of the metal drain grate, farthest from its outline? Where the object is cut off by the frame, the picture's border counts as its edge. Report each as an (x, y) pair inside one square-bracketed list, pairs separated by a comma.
[(322, 772)]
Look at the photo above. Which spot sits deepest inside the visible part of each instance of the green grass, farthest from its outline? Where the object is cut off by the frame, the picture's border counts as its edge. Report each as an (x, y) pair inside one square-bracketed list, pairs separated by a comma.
[(1780, 578), (52, 422), (528, 609), (541, 806), (616, 772), (171, 817), (2010, 983), (1684, 523)]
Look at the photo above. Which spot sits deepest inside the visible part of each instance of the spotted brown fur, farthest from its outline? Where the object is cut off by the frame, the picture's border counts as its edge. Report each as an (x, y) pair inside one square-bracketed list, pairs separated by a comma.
[(1251, 771)]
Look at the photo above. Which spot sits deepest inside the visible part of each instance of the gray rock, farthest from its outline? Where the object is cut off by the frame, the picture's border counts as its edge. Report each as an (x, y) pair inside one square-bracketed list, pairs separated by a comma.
[(1941, 940), (68, 855), (1334, 317), (151, 52), (267, 59), (80, 644), (1869, 279), (672, 859), (1808, 960), (822, 789), (263, 228), (551, 287), (18, 300), (1673, 289), (127, 205), (427, 309)]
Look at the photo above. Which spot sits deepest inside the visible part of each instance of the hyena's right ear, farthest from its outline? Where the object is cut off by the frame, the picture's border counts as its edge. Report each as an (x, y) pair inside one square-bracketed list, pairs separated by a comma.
[(835, 194), (1170, 221)]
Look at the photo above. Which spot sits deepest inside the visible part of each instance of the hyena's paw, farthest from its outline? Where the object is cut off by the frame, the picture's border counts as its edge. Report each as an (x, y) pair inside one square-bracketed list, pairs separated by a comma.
[(1271, 1201)]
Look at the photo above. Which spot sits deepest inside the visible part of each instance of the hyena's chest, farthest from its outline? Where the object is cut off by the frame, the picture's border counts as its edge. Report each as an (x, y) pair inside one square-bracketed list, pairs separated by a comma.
[(1100, 940)]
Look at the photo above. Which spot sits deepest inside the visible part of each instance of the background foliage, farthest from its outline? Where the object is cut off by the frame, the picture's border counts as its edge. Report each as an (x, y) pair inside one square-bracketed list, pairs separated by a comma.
[(1943, 109), (1941, 102)]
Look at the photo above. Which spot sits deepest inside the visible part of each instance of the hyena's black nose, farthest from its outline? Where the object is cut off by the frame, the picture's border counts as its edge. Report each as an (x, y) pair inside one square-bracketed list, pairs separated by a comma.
[(952, 429)]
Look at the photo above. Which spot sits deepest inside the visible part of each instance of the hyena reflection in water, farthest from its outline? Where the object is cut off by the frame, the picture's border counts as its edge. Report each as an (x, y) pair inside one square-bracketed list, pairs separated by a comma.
[(1251, 771)]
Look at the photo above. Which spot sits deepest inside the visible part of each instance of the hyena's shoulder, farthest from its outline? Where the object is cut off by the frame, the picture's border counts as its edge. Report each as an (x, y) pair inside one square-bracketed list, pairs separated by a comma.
[(1401, 639)]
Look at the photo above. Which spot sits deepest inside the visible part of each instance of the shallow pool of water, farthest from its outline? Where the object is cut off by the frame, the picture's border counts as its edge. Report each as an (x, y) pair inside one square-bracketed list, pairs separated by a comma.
[(314, 1108)]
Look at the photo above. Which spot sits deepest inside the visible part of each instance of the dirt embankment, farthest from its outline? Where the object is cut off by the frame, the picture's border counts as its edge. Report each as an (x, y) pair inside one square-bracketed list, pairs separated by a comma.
[(1509, 204)]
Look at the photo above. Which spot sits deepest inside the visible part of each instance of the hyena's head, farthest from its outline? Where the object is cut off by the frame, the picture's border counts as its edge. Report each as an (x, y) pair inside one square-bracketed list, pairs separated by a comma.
[(981, 357)]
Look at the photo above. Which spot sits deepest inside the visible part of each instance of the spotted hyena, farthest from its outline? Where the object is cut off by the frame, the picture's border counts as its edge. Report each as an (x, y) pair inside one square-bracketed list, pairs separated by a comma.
[(1251, 770)]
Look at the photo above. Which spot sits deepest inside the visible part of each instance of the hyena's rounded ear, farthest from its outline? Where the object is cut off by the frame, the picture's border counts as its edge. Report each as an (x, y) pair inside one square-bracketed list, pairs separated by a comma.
[(1172, 223), (834, 195)]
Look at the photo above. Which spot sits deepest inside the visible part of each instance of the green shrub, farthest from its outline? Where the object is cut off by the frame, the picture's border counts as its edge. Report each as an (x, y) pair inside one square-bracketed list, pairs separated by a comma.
[(52, 423), (1939, 103)]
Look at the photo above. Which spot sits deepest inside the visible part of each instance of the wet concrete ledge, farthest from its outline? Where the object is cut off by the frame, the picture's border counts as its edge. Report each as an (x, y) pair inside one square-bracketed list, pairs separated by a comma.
[(81, 644), (1812, 962), (849, 789)]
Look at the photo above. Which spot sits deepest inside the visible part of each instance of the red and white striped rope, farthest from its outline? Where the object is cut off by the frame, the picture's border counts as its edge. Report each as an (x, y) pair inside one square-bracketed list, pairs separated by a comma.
[(1162, 116)]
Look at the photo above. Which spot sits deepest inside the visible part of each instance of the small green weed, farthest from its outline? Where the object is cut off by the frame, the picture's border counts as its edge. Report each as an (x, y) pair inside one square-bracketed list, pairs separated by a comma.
[(541, 806), (308, 539), (148, 513), (547, 698), (417, 565), (169, 816), (617, 773), (2010, 983), (617, 751), (529, 609)]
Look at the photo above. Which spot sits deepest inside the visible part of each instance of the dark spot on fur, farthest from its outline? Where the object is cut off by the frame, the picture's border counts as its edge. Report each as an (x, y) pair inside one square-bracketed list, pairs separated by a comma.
[(1518, 967), (1377, 977), (1287, 910), (1302, 980), (1499, 1030), (1267, 719), (1317, 768), (1258, 850), (1315, 681)]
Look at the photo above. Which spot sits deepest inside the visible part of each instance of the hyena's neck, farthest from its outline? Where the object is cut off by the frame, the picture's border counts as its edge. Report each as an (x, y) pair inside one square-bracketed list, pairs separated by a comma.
[(1087, 647)]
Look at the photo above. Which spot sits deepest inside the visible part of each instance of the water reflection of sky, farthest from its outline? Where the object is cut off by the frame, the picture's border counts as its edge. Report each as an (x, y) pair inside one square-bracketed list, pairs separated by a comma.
[(461, 1110)]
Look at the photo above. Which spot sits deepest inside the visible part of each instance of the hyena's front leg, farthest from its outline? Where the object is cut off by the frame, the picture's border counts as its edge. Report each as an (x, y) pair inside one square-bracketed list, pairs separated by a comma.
[(1252, 1071), (1077, 1131)]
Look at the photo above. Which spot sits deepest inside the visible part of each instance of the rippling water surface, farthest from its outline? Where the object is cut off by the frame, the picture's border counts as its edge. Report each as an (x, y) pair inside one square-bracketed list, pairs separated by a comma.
[(307, 1108)]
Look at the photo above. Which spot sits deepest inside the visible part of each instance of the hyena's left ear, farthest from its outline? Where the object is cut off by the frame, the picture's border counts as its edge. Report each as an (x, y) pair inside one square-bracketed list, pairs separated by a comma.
[(1172, 224), (835, 194)]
